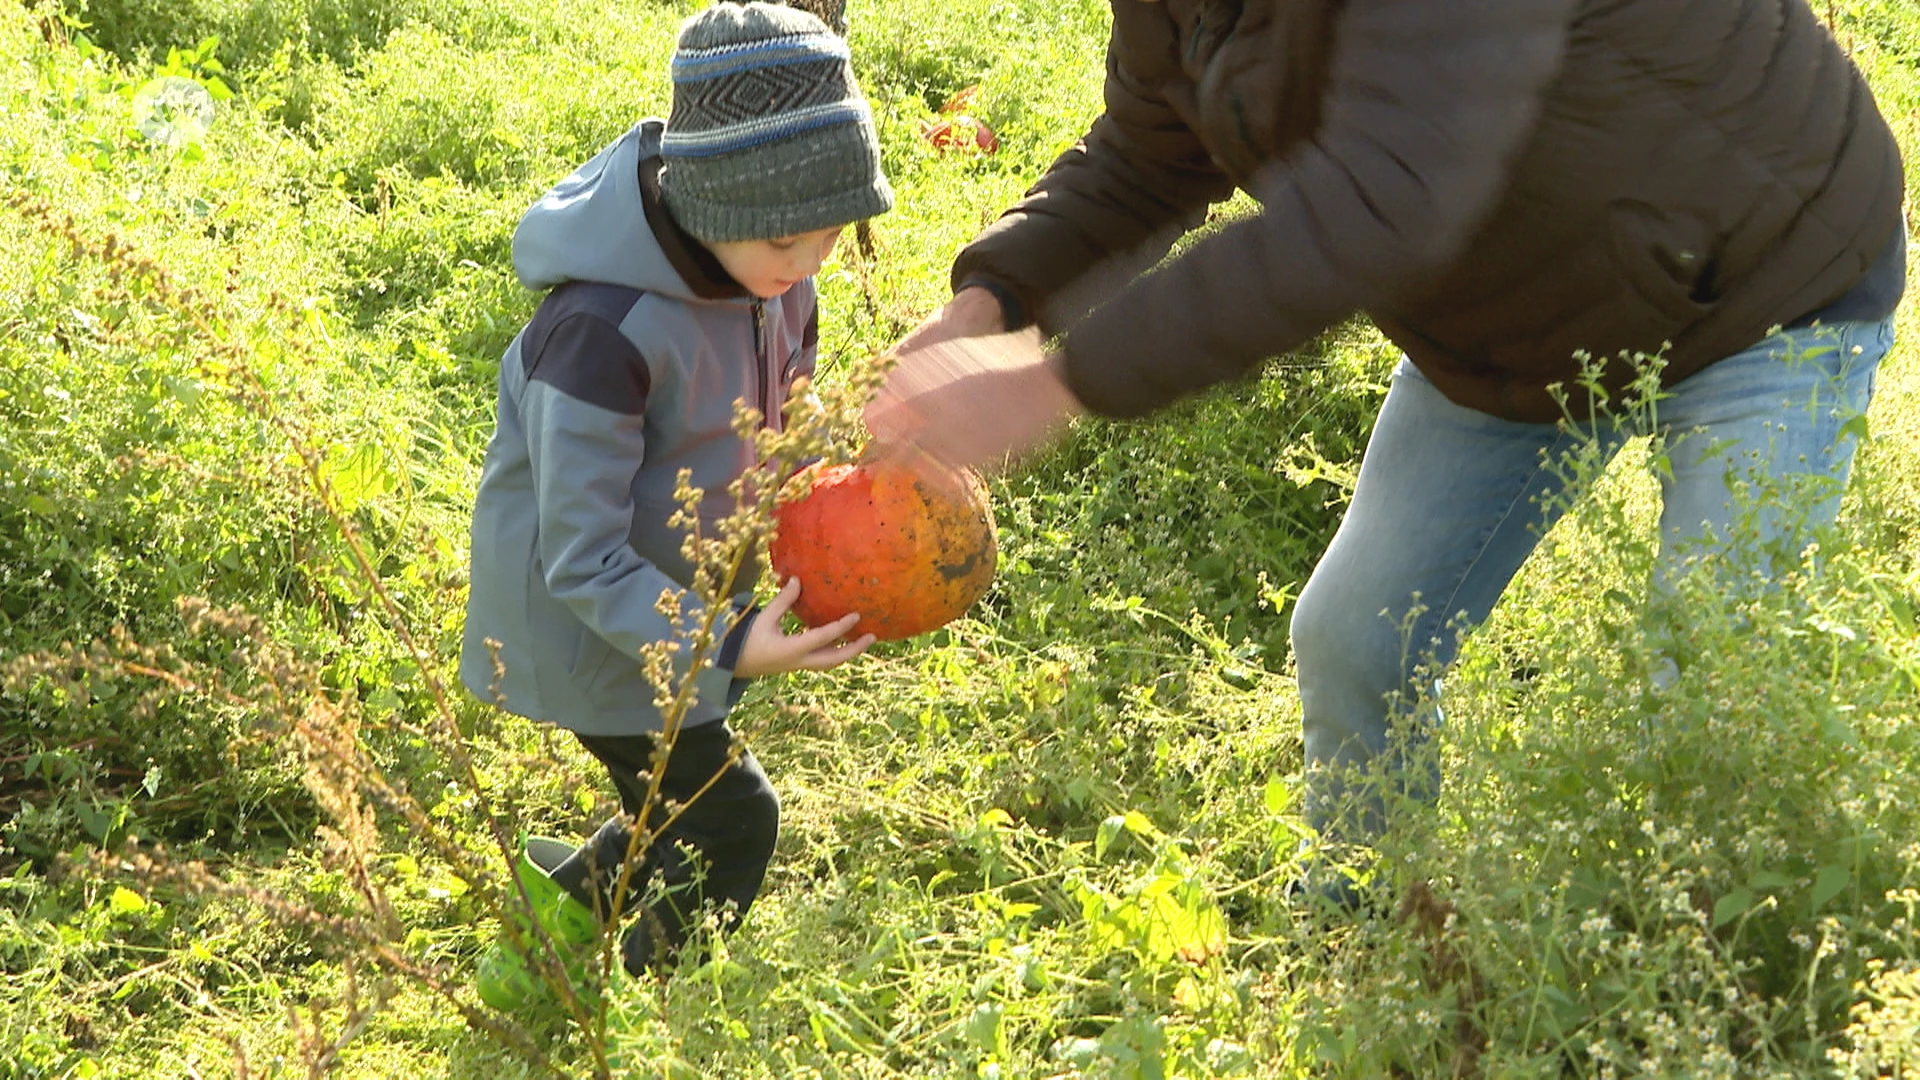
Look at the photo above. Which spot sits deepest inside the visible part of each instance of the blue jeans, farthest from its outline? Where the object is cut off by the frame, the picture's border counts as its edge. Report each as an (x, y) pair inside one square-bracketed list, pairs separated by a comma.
[(1450, 502)]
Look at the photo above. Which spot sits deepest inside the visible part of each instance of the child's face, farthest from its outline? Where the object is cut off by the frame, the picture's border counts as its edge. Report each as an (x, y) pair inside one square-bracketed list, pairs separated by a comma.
[(770, 267)]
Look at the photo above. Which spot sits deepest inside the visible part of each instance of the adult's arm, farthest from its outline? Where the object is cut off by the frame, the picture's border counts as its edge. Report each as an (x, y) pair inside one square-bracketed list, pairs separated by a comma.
[(1427, 106), (1116, 201)]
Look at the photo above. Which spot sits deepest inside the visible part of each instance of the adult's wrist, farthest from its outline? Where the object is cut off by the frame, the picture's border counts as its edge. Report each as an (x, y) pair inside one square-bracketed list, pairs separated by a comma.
[(984, 298)]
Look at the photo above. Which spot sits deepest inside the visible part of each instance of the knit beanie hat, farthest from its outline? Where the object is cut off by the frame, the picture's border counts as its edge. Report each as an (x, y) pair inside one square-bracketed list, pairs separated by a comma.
[(769, 135)]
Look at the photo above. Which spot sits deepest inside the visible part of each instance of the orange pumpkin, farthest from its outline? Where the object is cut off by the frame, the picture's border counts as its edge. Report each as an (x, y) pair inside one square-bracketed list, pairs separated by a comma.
[(960, 132), (958, 128), (908, 548)]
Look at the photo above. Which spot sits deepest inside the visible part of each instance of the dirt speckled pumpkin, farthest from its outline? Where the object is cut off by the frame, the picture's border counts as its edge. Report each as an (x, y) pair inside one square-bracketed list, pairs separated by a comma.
[(910, 551)]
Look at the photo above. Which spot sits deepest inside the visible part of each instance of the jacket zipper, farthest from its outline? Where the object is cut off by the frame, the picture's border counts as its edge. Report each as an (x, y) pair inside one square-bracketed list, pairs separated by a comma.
[(760, 360)]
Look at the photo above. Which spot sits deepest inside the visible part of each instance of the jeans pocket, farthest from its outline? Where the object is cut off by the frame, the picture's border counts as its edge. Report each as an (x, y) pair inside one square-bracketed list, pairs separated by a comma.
[(1863, 346)]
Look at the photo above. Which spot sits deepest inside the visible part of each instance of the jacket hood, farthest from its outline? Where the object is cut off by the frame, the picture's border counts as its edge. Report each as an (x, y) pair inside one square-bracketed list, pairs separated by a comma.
[(593, 225)]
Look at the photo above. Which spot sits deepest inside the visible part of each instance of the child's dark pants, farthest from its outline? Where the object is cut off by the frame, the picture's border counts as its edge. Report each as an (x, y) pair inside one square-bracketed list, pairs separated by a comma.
[(714, 852)]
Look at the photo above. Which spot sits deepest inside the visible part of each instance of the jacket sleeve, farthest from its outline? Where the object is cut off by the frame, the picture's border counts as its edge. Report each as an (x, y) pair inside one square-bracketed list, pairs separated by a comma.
[(584, 414), (1107, 208), (1427, 105)]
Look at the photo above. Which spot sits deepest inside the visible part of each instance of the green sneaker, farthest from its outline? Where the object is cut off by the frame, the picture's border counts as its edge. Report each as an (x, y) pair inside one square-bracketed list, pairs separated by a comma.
[(506, 979)]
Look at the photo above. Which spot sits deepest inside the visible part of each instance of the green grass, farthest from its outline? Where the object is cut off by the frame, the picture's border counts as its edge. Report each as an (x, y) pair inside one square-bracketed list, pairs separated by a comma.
[(1048, 841)]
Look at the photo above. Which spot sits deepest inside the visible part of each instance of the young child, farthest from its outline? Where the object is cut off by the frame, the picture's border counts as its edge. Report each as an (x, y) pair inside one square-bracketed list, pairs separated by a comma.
[(680, 265)]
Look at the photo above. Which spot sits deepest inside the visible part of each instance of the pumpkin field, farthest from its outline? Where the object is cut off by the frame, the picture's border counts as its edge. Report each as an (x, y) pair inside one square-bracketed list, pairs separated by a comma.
[(255, 288)]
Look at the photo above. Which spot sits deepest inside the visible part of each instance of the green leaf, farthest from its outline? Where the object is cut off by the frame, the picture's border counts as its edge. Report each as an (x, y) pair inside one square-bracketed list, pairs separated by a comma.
[(984, 1029), (125, 901), (1182, 920), (384, 701), (1139, 824), (100, 821), (1829, 626), (173, 110), (358, 475), (1732, 906), (1081, 1053), (1830, 882), (1277, 795), (832, 1032), (1555, 995)]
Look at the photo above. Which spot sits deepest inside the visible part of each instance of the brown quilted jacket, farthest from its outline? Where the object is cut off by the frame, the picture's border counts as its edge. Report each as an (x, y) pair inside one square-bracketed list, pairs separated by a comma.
[(1496, 183)]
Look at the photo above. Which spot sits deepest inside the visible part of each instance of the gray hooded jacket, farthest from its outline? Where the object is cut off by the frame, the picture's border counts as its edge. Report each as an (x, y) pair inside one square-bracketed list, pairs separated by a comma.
[(627, 374)]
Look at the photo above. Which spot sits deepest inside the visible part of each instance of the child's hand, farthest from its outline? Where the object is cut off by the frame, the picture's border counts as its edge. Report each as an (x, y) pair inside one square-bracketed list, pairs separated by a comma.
[(768, 650)]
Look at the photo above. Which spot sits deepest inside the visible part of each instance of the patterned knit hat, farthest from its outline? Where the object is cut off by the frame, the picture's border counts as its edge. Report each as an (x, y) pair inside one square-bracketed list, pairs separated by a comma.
[(769, 135)]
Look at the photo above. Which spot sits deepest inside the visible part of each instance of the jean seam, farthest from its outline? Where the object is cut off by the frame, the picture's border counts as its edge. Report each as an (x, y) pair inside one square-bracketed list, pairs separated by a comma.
[(1552, 452)]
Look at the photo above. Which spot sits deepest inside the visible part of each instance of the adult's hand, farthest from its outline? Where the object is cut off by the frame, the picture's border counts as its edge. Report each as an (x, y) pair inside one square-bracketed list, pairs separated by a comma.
[(973, 312), (969, 397), (770, 650)]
